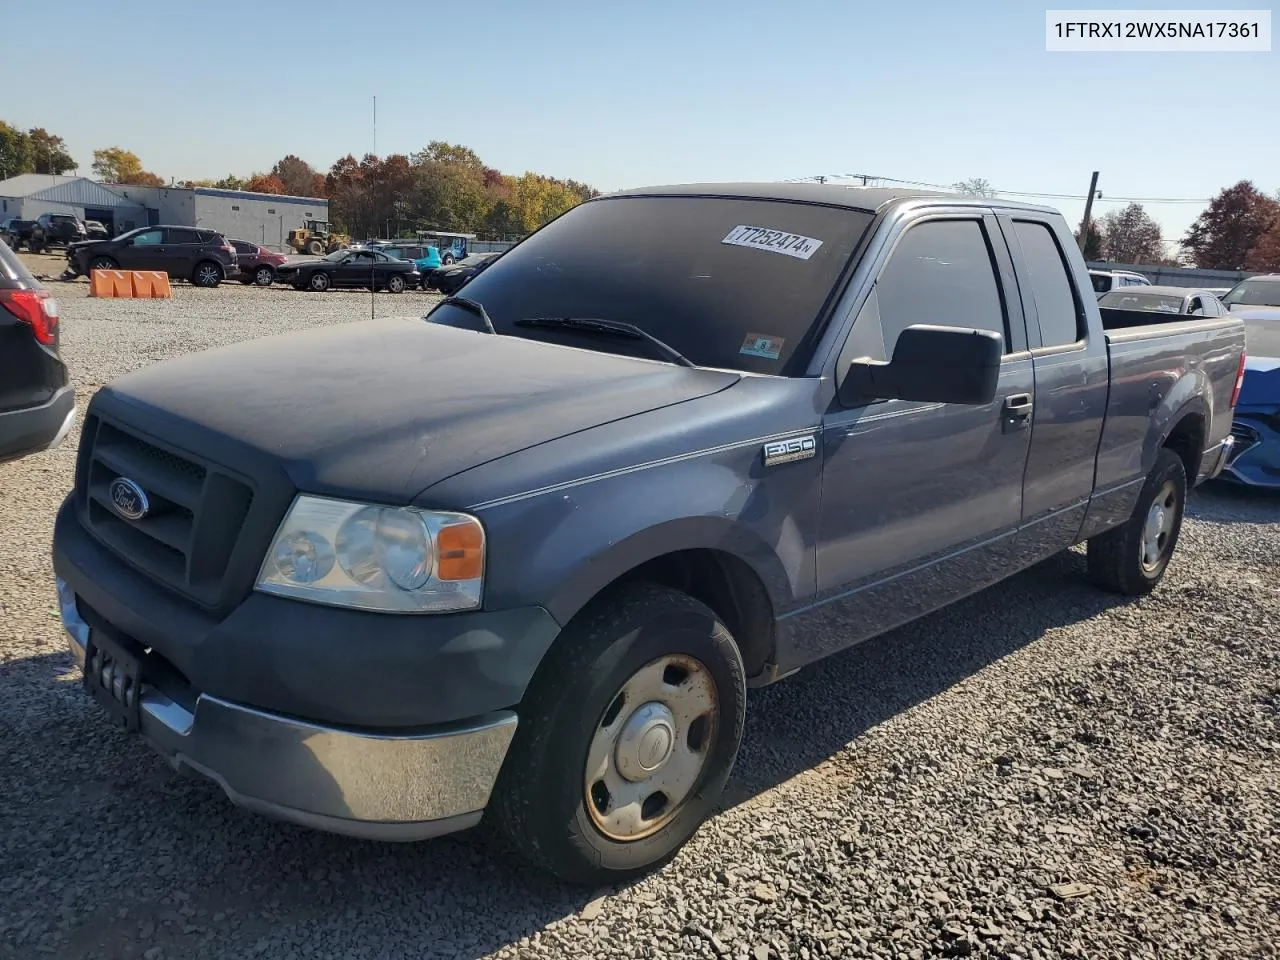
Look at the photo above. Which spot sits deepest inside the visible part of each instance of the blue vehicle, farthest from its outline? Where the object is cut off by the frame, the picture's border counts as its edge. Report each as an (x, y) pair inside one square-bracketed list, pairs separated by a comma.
[(425, 258), (1255, 457), (452, 246)]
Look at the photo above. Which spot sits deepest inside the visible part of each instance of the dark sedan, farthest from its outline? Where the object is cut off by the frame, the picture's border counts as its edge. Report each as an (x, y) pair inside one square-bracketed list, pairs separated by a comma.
[(450, 279), (350, 268), (204, 257)]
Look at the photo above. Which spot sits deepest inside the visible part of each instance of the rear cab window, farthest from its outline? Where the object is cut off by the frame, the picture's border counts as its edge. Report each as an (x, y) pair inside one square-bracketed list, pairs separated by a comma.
[(1049, 288), (730, 282)]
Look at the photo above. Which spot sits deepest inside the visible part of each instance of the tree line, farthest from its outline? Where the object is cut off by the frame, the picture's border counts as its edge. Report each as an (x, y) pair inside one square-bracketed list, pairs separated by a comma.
[(444, 186)]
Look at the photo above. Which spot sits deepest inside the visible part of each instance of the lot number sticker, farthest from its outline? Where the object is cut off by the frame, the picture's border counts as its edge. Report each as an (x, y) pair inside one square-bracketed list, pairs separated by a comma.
[(775, 241)]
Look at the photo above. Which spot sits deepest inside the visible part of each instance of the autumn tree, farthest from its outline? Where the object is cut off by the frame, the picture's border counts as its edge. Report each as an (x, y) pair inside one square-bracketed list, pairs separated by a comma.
[(117, 165), (264, 183), (974, 187), (1093, 241), (48, 152), (1265, 255), (15, 151), (1131, 236), (297, 176), (1225, 234)]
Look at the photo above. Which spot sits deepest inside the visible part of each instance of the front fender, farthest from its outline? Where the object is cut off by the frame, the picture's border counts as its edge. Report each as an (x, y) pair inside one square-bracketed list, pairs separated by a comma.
[(565, 546)]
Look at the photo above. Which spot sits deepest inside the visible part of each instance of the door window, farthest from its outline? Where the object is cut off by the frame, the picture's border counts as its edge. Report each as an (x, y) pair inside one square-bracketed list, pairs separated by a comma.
[(176, 235), (149, 238), (1059, 309), (942, 273)]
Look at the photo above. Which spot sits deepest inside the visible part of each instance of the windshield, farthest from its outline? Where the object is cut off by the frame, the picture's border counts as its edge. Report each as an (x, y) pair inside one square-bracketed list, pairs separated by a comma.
[(338, 256), (1254, 293), (1101, 282), (1149, 302), (730, 283)]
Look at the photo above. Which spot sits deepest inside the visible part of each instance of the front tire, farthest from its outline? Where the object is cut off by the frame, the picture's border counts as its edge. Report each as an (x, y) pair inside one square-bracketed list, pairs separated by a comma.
[(264, 276), (627, 736), (319, 282), (1132, 558), (315, 248), (101, 263)]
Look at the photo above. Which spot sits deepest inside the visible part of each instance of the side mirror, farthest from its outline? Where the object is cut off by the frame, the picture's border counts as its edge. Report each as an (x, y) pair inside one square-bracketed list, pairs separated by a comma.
[(930, 364)]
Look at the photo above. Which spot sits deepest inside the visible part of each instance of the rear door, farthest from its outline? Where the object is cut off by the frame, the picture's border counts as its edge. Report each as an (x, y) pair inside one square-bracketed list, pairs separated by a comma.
[(921, 501), (182, 249), (1071, 385)]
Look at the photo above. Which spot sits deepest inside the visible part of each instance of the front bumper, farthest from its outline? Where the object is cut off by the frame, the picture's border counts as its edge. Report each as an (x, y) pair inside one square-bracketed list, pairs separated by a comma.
[(402, 785), (1254, 460)]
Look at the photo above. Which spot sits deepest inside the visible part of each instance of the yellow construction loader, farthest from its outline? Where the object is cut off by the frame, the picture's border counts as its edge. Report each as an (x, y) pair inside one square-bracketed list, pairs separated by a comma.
[(317, 238)]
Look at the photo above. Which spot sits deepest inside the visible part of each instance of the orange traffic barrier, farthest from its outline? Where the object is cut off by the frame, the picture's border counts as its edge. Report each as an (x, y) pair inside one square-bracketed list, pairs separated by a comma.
[(151, 284), (110, 283)]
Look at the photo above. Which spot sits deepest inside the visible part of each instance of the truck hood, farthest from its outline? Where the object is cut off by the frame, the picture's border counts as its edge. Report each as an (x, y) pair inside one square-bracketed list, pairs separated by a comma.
[(383, 409)]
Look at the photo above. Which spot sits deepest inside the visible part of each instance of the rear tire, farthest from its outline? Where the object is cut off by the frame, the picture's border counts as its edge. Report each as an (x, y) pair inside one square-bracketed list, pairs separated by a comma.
[(206, 274), (627, 736), (395, 283), (1132, 558)]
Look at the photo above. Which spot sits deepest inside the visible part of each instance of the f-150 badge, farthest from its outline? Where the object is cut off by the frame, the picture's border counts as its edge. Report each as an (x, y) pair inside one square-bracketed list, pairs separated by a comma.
[(794, 448)]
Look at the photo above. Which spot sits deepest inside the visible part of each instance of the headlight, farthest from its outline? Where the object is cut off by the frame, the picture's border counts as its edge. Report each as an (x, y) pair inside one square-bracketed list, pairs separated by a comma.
[(393, 559)]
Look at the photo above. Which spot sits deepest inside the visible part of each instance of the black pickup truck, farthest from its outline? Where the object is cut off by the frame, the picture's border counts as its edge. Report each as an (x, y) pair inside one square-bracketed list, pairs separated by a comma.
[(526, 555)]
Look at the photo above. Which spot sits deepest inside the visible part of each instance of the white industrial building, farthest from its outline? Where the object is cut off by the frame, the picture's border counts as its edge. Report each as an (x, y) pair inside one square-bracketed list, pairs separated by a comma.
[(264, 218)]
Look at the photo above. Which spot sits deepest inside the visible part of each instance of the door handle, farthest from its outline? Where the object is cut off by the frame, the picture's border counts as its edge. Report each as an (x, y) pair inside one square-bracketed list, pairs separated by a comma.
[(1017, 411)]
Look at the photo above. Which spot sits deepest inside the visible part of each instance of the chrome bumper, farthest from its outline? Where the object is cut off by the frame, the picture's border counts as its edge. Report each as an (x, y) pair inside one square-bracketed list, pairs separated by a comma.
[(377, 786)]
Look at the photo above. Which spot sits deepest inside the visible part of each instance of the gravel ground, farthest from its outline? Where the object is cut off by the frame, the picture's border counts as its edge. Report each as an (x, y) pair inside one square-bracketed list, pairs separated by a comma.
[(1039, 772)]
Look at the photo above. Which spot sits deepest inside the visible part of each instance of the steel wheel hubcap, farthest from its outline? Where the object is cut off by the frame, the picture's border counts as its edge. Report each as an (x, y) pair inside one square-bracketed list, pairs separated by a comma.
[(651, 747), (1159, 526)]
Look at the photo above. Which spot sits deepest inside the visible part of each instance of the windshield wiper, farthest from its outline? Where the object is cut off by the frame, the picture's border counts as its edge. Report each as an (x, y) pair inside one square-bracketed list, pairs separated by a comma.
[(609, 327), (474, 306)]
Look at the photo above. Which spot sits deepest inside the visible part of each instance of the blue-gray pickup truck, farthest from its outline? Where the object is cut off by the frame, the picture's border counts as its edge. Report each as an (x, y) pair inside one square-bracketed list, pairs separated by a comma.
[(522, 558)]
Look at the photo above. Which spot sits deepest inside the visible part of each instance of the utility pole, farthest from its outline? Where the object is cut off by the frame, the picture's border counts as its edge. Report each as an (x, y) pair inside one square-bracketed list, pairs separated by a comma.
[(1088, 210)]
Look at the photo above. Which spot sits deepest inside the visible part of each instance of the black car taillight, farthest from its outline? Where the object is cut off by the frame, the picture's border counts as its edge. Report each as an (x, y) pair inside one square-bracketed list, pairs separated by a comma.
[(35, 308)]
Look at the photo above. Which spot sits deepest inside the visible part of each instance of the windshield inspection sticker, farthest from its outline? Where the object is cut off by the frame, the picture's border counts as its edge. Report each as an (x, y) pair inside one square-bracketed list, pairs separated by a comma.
[(758, 345), (775, 241)]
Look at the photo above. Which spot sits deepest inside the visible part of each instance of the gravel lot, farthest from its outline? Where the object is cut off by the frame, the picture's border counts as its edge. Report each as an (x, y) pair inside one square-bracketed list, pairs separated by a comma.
[(923, 795)]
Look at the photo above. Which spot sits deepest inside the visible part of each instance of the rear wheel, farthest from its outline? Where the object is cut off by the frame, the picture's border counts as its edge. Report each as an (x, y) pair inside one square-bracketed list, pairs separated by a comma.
[(627, 736), (1132, 558), (206, 274), (319, 281), (395, 284)]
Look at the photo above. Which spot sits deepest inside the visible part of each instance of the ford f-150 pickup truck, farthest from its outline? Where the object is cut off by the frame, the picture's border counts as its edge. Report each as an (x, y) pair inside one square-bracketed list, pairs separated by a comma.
[(522, 558)]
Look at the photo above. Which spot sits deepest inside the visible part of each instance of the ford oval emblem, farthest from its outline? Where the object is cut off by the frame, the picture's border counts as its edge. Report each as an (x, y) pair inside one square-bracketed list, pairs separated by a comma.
[(129, 499)]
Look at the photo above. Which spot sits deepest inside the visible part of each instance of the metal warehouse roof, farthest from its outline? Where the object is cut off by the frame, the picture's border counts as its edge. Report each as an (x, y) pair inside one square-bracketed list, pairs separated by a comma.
[(29, 184)]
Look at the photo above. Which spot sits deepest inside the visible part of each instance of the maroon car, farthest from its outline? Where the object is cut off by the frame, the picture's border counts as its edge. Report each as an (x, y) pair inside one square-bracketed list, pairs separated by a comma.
[(257, 264)]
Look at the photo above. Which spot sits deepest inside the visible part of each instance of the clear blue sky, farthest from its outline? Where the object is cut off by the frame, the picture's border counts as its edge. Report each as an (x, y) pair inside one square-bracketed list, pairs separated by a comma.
[(623, 95)]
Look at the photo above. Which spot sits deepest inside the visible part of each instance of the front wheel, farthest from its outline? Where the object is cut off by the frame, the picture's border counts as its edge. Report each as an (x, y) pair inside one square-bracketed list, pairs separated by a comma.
[(1132, 558), (264, 276), (627, 736), (101, 263), (319, 282)]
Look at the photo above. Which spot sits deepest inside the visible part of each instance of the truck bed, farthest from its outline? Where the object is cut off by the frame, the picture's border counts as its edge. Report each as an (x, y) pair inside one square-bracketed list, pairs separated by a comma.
[(1157, 368)]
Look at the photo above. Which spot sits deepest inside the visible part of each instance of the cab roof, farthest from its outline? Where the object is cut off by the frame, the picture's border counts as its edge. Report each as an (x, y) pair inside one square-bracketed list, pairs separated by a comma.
[(866, 199)]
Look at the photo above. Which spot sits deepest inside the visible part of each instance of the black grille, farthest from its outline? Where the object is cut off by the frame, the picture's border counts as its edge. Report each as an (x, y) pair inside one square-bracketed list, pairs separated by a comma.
[(1245, 437), (196, 515)]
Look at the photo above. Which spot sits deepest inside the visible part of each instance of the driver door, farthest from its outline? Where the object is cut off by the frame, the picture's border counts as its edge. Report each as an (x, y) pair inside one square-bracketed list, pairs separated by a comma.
[(921, 502), (354, 271), (146, 251)]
